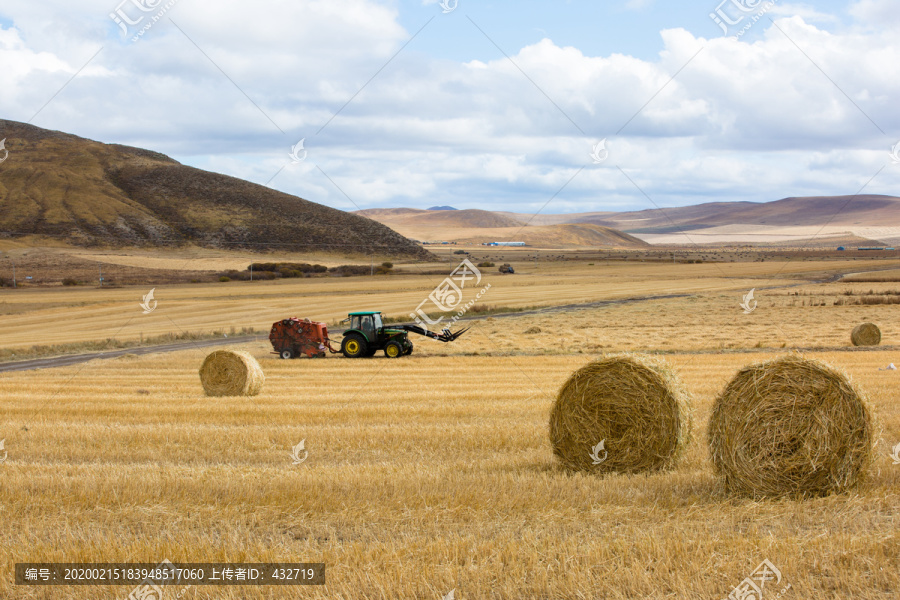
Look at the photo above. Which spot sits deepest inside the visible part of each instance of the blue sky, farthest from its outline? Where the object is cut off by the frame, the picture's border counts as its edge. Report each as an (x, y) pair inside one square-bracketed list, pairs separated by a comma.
[(801, 101)]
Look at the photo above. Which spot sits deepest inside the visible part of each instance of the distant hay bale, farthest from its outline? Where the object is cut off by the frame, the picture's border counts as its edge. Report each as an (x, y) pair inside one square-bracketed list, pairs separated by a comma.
[(790, 427), (866, 334), (532, 330), (231, 373), (624, 413)]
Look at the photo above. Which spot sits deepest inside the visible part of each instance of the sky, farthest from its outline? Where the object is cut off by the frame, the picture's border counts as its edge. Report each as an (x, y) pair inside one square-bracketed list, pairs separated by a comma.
[(523, 106)]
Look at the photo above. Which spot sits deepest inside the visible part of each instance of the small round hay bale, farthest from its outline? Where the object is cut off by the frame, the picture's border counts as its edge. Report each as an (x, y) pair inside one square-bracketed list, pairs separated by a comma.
[(633, 404), (231, 373), (866, 334), (790, 427)]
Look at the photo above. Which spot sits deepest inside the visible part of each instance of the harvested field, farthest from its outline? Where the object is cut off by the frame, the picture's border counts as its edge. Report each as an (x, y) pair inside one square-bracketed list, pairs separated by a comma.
[(410, 494)]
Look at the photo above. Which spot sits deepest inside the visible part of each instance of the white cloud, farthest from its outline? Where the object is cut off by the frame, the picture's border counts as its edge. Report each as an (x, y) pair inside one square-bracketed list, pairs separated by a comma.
[(742, 120)]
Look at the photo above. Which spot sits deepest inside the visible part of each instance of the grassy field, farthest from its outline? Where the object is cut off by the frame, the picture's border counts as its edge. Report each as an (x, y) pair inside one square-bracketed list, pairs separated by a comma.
[(57, 315), (433, 472)]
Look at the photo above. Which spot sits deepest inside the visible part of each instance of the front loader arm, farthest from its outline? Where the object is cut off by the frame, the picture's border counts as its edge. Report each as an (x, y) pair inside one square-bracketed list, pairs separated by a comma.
[(444, 336)]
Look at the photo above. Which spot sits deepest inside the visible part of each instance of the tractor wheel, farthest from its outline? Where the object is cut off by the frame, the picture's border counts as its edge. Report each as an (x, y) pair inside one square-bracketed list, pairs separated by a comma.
[(354, 346), (287, 353), (409, 350), (393, 350)]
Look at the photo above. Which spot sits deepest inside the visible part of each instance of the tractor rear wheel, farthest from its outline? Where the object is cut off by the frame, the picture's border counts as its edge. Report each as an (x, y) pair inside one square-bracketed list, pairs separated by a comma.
[(287, 353), (354, 346), (393, 350)]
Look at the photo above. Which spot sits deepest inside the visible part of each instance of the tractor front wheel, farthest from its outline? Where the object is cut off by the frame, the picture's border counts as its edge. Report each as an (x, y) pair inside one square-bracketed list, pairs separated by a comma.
[(409, 350), (354, 346), (287, 353), (393, 350)]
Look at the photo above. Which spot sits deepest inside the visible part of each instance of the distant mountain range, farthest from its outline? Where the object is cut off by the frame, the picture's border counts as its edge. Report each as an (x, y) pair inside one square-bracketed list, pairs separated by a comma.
[(89, 193), (816, 221)]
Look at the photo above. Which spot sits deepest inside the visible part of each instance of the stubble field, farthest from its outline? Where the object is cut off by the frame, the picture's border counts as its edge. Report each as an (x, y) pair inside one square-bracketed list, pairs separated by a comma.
[(434, 473)]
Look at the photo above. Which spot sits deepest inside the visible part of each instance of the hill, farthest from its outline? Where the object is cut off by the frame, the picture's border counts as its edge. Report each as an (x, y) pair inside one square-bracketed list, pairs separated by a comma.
[(816, 220), (472, 226), (416, 218), (89, 193)]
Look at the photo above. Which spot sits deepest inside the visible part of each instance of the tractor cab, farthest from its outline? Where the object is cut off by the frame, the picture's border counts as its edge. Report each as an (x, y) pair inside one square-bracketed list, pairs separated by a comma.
[(367, 335), (368, 323)]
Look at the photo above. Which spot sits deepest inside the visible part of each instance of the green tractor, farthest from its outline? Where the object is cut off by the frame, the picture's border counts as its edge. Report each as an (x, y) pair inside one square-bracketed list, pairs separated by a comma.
[(368, 334)]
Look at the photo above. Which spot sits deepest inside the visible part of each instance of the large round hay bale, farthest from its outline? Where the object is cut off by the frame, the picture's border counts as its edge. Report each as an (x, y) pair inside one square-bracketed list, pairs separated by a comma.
[(231, 373), (866, 334), (624, 413), (790, 427)]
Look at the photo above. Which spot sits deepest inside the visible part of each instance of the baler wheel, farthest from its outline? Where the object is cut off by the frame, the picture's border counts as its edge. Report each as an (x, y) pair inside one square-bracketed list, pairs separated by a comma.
[(287, 354)]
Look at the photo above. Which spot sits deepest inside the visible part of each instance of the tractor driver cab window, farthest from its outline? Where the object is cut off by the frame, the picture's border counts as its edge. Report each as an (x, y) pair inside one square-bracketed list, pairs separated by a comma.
[(366, 323), (378, 324)]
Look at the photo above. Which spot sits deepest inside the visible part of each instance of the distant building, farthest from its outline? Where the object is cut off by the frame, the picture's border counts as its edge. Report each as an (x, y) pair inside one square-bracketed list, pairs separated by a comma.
[(506, 244), (841, 248)]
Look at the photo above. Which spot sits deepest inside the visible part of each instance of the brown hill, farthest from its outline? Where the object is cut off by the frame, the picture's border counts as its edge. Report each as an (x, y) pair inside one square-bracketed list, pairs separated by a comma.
[(89, 193), (870, 210), (479, 226), (469, 218), (572, 235)]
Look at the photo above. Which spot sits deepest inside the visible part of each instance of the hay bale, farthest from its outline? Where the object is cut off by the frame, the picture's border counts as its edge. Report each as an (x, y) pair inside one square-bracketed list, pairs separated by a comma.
[(632, 404), (790, 427), (866, 334), (231, 373)]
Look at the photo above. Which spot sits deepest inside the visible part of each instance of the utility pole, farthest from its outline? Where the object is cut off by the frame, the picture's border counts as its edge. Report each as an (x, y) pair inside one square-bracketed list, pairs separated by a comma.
[(372, 264), (100, 266), (14, 275), (251, 271)]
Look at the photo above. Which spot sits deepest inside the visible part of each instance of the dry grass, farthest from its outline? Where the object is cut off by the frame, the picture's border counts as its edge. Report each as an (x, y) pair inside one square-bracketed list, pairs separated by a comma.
[(866, 334), (408, 494), (625, 413), (88, 314), (434, 471), (231, 373), (790, 427)]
